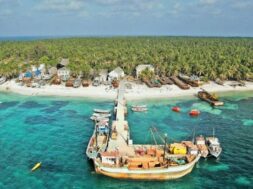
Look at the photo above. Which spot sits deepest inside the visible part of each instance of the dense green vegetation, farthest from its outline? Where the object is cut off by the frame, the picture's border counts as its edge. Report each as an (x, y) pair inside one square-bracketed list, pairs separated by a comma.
[(227, 58)]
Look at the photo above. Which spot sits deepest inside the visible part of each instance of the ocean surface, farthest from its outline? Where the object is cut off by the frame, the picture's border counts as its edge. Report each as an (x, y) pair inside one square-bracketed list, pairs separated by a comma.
[(56, 130)]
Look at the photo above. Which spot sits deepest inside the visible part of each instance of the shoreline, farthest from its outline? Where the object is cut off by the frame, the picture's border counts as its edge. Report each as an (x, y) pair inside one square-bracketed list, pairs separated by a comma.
[(138, 91)]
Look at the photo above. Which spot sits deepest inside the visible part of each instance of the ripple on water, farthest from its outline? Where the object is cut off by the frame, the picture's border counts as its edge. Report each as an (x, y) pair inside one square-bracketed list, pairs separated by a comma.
[(31, 104), (5, 105), (35, 120), (229, 106), (204, 107), (55, 106), (216, 168), (247, 122), (243, 181)]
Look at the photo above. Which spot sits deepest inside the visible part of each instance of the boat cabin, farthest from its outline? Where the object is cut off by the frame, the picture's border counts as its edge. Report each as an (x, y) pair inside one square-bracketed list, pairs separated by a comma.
[(110, 158)]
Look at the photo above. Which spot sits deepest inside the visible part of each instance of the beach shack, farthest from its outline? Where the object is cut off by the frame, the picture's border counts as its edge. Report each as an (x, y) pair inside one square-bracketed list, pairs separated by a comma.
[(63, 63), (103, 75), (140, 68), (52, 71), (63, 73), (37, 74), (27, 76), (116, 74)]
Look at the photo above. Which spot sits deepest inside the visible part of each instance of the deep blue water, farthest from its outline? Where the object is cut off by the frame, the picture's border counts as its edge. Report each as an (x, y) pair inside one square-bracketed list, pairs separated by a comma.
[(56, 131)]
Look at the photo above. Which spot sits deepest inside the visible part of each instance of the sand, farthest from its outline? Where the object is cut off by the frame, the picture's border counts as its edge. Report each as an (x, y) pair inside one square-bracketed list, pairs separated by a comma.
[(138, 91)]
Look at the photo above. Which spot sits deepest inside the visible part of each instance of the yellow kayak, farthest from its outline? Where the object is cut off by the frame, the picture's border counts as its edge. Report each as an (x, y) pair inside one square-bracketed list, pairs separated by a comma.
[(36, 166)]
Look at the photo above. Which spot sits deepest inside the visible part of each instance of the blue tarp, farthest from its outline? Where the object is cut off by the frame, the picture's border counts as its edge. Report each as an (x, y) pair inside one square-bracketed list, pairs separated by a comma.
[(37, 72), (28, 74)]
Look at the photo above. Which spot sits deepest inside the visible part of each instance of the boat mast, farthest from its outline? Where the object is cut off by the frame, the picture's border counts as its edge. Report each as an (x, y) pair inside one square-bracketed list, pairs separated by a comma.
[(193, 136), (96, 130), (165, 144)]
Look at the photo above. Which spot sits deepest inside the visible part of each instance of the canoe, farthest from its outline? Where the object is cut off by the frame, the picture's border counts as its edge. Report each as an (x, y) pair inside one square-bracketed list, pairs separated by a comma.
[(102, 111), (36, 166), (180, 83)]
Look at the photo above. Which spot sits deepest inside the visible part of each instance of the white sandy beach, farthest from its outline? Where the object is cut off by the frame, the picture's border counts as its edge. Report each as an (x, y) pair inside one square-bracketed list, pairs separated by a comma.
[(137, 92)]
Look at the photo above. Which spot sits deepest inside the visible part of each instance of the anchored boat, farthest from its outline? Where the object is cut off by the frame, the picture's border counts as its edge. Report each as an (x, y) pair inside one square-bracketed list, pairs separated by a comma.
[(120, 158), (201, 144), (211, 99), (139, 108), (214, 147)]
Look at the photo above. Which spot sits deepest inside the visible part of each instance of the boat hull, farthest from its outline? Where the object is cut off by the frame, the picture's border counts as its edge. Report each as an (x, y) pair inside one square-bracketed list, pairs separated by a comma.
[(170, 173)]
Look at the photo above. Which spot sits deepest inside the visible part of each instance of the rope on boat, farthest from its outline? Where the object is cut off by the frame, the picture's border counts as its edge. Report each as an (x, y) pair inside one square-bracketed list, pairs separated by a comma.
[(151, 130)]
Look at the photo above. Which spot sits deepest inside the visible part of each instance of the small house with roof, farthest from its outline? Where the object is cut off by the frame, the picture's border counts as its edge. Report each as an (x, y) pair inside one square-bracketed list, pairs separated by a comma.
[(117, 73), (63, 63), (140, 68), (63, 73)]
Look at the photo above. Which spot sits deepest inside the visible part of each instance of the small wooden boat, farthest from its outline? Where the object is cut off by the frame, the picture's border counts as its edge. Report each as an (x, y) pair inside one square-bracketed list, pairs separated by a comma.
[(86, 83), (201, 144), (238, 84), (98, 119), (139, 108), (219, 81), (56, 80), (176, 109), (70, 83), (194, 113), (165, 81), (152, 83), (214, 147), (100, 111), (101, 115), (115, 84), (180, 83), (36, 166), (2, 80), (77, 83), (211, 99), (194, 81)]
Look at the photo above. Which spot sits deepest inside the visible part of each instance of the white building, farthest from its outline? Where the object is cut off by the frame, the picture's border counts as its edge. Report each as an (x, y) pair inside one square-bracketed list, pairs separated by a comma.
[(142, 67), (63, 73), (117, 73), (103, 75)]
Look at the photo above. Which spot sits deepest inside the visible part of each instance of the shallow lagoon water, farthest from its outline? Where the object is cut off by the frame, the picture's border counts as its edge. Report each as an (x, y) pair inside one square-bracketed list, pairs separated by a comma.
[(56, 130)]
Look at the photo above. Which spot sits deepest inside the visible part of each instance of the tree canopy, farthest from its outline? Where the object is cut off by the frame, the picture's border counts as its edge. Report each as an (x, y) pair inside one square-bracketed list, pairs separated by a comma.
[(226, 58)]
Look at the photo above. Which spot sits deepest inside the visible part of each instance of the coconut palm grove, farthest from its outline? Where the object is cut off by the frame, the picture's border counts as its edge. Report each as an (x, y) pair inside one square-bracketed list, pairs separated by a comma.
[(209, 57)]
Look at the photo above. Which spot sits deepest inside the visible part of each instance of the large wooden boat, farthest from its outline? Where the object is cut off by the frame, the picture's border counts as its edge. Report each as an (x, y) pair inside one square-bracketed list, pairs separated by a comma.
[(180, 83), (152, 83), (147, 168), (120, 158), (211, 99)]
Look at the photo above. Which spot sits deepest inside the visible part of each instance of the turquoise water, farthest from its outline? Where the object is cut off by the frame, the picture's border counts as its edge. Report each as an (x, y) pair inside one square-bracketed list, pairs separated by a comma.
[(56, 131)]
